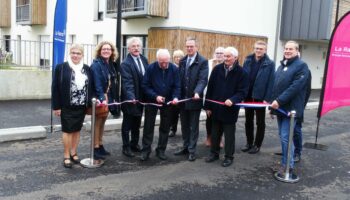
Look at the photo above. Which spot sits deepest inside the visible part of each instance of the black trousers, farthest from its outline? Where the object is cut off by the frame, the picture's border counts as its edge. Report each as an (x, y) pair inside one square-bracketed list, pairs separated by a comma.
[(175, 113), (249, 125), (229, 131), (189, 127), (130, 123), (148, 128)]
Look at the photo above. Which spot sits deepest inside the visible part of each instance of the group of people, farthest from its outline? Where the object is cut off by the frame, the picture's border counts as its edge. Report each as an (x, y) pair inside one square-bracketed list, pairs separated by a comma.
[(182, 88)]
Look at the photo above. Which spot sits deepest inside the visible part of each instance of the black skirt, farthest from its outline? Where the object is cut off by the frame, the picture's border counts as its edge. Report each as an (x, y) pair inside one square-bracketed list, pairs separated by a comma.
[(72, 118)]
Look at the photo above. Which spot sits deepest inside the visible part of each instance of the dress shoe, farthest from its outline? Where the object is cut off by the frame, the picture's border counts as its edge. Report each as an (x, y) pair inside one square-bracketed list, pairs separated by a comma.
[(246, 148), (254, 150), (278, 153), (103, 151), (136, 148), (181, 152), (144, 156), (172, 134), (127, 152), (98, 155), (161, 155), (297, 158), (191, 157), (227, 162), (211, 158)]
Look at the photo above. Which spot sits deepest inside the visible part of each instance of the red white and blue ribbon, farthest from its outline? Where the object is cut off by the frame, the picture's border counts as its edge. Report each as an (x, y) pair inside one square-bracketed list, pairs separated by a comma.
[(243, 105)]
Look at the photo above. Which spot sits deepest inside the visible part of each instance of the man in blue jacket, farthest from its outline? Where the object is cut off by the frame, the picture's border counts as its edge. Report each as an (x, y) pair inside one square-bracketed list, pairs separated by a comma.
[(161, 85), (289, 93), (194, 78), (261, 72), (132, 70), (228, 83)]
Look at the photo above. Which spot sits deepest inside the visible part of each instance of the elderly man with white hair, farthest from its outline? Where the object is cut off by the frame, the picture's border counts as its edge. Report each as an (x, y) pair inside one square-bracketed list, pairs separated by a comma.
[(161, 85), (228, 83)]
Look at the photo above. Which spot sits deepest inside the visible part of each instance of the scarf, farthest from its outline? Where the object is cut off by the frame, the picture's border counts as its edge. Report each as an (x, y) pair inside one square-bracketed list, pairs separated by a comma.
[(80, 78)]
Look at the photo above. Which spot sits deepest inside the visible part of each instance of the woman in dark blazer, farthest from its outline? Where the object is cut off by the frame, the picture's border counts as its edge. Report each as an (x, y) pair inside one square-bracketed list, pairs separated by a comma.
[(104, 76), (70, 94)]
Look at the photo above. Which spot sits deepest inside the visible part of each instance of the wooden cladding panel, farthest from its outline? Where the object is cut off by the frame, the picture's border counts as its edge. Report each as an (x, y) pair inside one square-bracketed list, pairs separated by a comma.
[(39, 12), (158, 8), (173, 39), (5, 13)]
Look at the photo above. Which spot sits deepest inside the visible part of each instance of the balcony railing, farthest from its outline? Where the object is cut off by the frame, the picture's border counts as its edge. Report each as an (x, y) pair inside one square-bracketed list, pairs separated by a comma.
[(138, 8), (23, 13)]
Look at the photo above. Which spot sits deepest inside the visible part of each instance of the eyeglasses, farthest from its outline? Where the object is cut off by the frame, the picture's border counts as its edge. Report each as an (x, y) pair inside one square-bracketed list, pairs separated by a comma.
[(75, 53), (106, 49), (257, 48), (219, 53)]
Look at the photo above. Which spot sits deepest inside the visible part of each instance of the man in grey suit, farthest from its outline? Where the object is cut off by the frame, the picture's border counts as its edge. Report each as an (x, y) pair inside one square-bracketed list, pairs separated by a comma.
[(194, 77)]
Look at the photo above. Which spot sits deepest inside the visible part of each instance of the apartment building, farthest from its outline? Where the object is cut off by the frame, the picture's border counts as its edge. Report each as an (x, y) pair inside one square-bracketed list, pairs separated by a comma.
[(166, 24)]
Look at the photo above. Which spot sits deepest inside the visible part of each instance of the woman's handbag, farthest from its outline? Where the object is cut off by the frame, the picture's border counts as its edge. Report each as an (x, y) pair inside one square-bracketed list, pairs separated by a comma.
[(101, 111)]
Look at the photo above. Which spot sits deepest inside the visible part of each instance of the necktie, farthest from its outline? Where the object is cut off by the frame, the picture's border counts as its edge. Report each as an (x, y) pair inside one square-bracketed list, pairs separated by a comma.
[(140, 66), (188, 62), (226, 71)]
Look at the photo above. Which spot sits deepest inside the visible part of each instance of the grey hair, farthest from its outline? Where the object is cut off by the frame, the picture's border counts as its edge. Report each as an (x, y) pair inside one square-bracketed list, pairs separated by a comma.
[(132, 40), (78, 47), (232, 50), (295, 44), (164, 52)]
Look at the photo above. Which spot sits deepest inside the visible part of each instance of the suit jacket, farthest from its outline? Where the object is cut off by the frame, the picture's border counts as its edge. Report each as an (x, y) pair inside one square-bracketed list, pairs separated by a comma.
[(220, 88), (193, 81), (131, 85)]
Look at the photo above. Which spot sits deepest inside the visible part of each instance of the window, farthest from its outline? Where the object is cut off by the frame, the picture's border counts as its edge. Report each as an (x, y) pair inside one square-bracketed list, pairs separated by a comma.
[(98, 9), (7, 43), (22, 10), (44, 50), (98, 38), (72, 39)]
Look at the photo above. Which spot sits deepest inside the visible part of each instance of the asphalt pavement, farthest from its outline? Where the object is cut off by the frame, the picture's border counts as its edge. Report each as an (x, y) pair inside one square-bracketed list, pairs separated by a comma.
[(33, 169)]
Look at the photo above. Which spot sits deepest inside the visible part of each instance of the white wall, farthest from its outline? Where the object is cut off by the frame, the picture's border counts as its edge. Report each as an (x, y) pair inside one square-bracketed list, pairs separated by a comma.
[(252, 17), (315, 54)]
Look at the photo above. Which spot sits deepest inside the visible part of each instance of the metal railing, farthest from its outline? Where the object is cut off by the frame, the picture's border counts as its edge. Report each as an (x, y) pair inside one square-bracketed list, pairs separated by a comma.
[(26, 53), (127, 6)]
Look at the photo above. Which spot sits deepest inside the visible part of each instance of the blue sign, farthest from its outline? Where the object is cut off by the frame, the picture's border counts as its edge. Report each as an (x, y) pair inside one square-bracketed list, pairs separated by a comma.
[(59, 33)]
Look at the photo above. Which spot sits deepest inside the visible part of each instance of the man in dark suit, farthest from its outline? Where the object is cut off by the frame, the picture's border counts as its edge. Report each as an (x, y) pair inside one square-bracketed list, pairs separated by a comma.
[(228, 83), (194, 78), (132, 71), (161, 85)]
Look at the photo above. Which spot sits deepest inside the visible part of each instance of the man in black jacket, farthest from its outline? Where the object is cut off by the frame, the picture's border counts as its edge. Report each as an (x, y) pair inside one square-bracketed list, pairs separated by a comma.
[(161, 85), (261, 72), (132, 71), (194, 78), (228, 83)]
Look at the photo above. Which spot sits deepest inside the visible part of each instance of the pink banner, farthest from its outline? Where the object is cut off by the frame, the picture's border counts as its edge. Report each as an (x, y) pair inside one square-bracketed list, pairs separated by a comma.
[(336, 83)]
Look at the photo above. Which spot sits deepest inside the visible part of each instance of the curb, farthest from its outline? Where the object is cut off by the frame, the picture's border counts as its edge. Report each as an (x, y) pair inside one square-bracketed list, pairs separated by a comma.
[(37, 132)]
